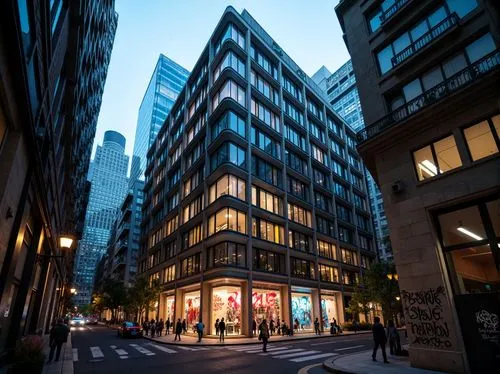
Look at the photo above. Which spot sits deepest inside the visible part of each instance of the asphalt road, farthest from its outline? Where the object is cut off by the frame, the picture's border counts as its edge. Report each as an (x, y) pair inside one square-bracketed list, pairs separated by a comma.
[(97, 349)]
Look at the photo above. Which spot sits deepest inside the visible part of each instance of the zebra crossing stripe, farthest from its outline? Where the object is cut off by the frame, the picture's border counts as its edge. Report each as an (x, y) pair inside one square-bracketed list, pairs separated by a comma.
[(296, 354), (75, 354), (315, 357), (187, 348), (121, 352), (143, 350), (248, 348), (269, 353), (96, 352), (163, 349), (274, 351), (353, 347)]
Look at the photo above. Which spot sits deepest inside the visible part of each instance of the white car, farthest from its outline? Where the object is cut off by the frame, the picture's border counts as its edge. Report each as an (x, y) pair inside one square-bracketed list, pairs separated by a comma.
[(77, 321)]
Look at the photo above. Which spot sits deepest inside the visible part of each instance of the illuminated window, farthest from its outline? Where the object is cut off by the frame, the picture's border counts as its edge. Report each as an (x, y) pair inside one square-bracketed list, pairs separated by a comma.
[(227, 185), (269, 231), (437, 158), (482, 139), (227, 219)]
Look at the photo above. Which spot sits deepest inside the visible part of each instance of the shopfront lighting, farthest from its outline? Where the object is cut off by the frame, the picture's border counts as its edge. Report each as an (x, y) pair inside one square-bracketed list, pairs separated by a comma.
[(463, 230), (398, 298), (65, 241), (73, 291)]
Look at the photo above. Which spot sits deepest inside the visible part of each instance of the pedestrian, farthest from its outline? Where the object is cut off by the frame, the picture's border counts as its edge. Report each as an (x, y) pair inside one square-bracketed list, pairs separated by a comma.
[(394, 340), (316, 326), (283, 328), (178, 330), (159, 327), (145, 327), (264, 334), (167, 325), (222, 330), (296, 325), (271, 327), (279, 326), (199, 329), (379, 339), (58, 336), (153, 328), (254, 327), (217, 327), (355, 326), (184, 327)]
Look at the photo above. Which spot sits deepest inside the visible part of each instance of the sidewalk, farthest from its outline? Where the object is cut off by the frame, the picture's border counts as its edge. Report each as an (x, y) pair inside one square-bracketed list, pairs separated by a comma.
[(361, 363), (65, 363), (212, 340)]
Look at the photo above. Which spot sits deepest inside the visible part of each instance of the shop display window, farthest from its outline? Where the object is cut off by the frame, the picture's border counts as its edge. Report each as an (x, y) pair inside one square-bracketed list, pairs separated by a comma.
[(328, 310), (226, 303), (266, 304), (302, 312), (192, 309)]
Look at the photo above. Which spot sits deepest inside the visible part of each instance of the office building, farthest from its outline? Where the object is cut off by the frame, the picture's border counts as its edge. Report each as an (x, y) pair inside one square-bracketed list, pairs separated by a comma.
[(340, 88), (48, 112), (255, 199), (109, 185), (428, 80), (166, 82)]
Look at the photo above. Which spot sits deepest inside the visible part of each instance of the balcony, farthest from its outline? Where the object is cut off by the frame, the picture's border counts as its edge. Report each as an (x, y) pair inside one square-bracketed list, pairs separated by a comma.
[(426, 39), (394, 9), (455, 83)]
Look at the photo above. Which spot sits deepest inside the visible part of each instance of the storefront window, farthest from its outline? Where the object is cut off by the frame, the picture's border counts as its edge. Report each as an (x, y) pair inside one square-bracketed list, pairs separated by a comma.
[(302, 311), (192, 309), (266, 304), (329, 310), (170, 308), (226, 303)]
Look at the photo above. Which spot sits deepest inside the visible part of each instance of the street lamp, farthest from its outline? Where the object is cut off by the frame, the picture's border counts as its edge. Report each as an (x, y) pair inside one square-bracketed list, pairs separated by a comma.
[(72, 291), (65, 241)]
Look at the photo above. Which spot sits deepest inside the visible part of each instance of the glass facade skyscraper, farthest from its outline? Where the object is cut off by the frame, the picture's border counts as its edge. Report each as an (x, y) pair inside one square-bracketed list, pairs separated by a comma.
[(109, 186), (343, 95), (166, 82)]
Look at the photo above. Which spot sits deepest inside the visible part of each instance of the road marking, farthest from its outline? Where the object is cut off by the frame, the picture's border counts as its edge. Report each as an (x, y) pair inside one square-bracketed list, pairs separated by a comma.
[(75, 354), (305, 369), (275, 351), (163, 349), (324, 343), (121, 352), (346, 348), (113, 346), (143, 350), (303, 353), (96, 352), (315, 357), (188, 348), (250, 348)]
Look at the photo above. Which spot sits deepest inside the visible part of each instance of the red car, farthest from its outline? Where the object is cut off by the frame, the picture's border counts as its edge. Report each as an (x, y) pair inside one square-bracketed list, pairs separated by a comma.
[(130, 330)]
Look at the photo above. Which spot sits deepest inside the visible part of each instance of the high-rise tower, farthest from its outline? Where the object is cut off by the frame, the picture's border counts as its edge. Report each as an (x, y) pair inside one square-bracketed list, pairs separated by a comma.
[(109, 185)]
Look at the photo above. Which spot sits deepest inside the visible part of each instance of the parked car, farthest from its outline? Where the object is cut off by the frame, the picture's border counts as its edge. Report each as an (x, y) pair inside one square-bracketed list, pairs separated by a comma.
[(130, 330), (77, 321)]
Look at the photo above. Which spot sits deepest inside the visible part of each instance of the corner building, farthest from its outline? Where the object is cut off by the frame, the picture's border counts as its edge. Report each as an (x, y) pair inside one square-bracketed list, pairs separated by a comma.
[(428, 79), (250, 210)]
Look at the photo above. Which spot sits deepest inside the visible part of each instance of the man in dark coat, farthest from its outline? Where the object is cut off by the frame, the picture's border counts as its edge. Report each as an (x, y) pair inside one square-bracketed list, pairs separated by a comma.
[(222, 330), (178, 330), (58, 336), (379, 339)]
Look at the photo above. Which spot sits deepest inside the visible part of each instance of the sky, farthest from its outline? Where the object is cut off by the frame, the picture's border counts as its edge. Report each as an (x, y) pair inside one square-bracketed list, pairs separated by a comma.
[(307, 30)]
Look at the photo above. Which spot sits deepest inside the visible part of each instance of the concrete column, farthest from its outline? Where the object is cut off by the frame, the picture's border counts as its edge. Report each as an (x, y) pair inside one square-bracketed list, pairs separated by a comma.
[(286, 305), (179, 304), (339, 298), (316, 306), (205, 306), (246, 325)]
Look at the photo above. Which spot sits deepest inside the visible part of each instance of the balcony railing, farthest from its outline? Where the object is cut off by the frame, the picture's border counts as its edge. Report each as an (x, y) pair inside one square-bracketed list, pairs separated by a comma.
[(426, 39), (387, 15), (456, 82)]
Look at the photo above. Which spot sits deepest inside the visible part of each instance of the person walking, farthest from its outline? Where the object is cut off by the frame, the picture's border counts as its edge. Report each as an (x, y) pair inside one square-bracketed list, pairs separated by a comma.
[(178, 330), (296, 325), (58, 336), (316, 326), (271, 327), (254, 327), (264, 334), (279, 326), (379, 339), (184, 327), (217, 327), (159, 327), (199, 329), (284, 328), (145, 327), (394, 340), (153, 328), (167, 326), (222, 330), (355, 326)]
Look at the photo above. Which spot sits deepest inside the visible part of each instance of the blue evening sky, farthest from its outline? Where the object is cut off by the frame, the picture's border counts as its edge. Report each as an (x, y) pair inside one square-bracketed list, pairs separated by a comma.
[(308, 30)]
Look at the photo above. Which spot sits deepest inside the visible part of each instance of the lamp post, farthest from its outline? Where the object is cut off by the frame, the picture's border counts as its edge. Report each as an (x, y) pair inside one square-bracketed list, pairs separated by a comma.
[(65, 241)]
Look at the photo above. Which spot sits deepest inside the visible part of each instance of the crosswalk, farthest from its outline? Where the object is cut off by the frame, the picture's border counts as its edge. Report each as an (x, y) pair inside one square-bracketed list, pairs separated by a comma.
[(276, 351), (284, 352), (127, 351)]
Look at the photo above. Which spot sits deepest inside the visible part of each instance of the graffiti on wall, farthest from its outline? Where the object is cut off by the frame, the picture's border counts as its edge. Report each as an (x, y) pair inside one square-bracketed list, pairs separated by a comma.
[(424, 317)]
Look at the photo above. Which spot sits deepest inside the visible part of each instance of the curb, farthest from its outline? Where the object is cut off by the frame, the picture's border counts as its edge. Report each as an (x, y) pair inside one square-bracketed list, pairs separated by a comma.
[(329, 365)]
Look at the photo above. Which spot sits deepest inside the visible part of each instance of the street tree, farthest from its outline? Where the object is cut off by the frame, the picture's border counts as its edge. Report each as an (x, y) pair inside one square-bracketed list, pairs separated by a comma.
[(114, 295), (142, 296), (361, 301)]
